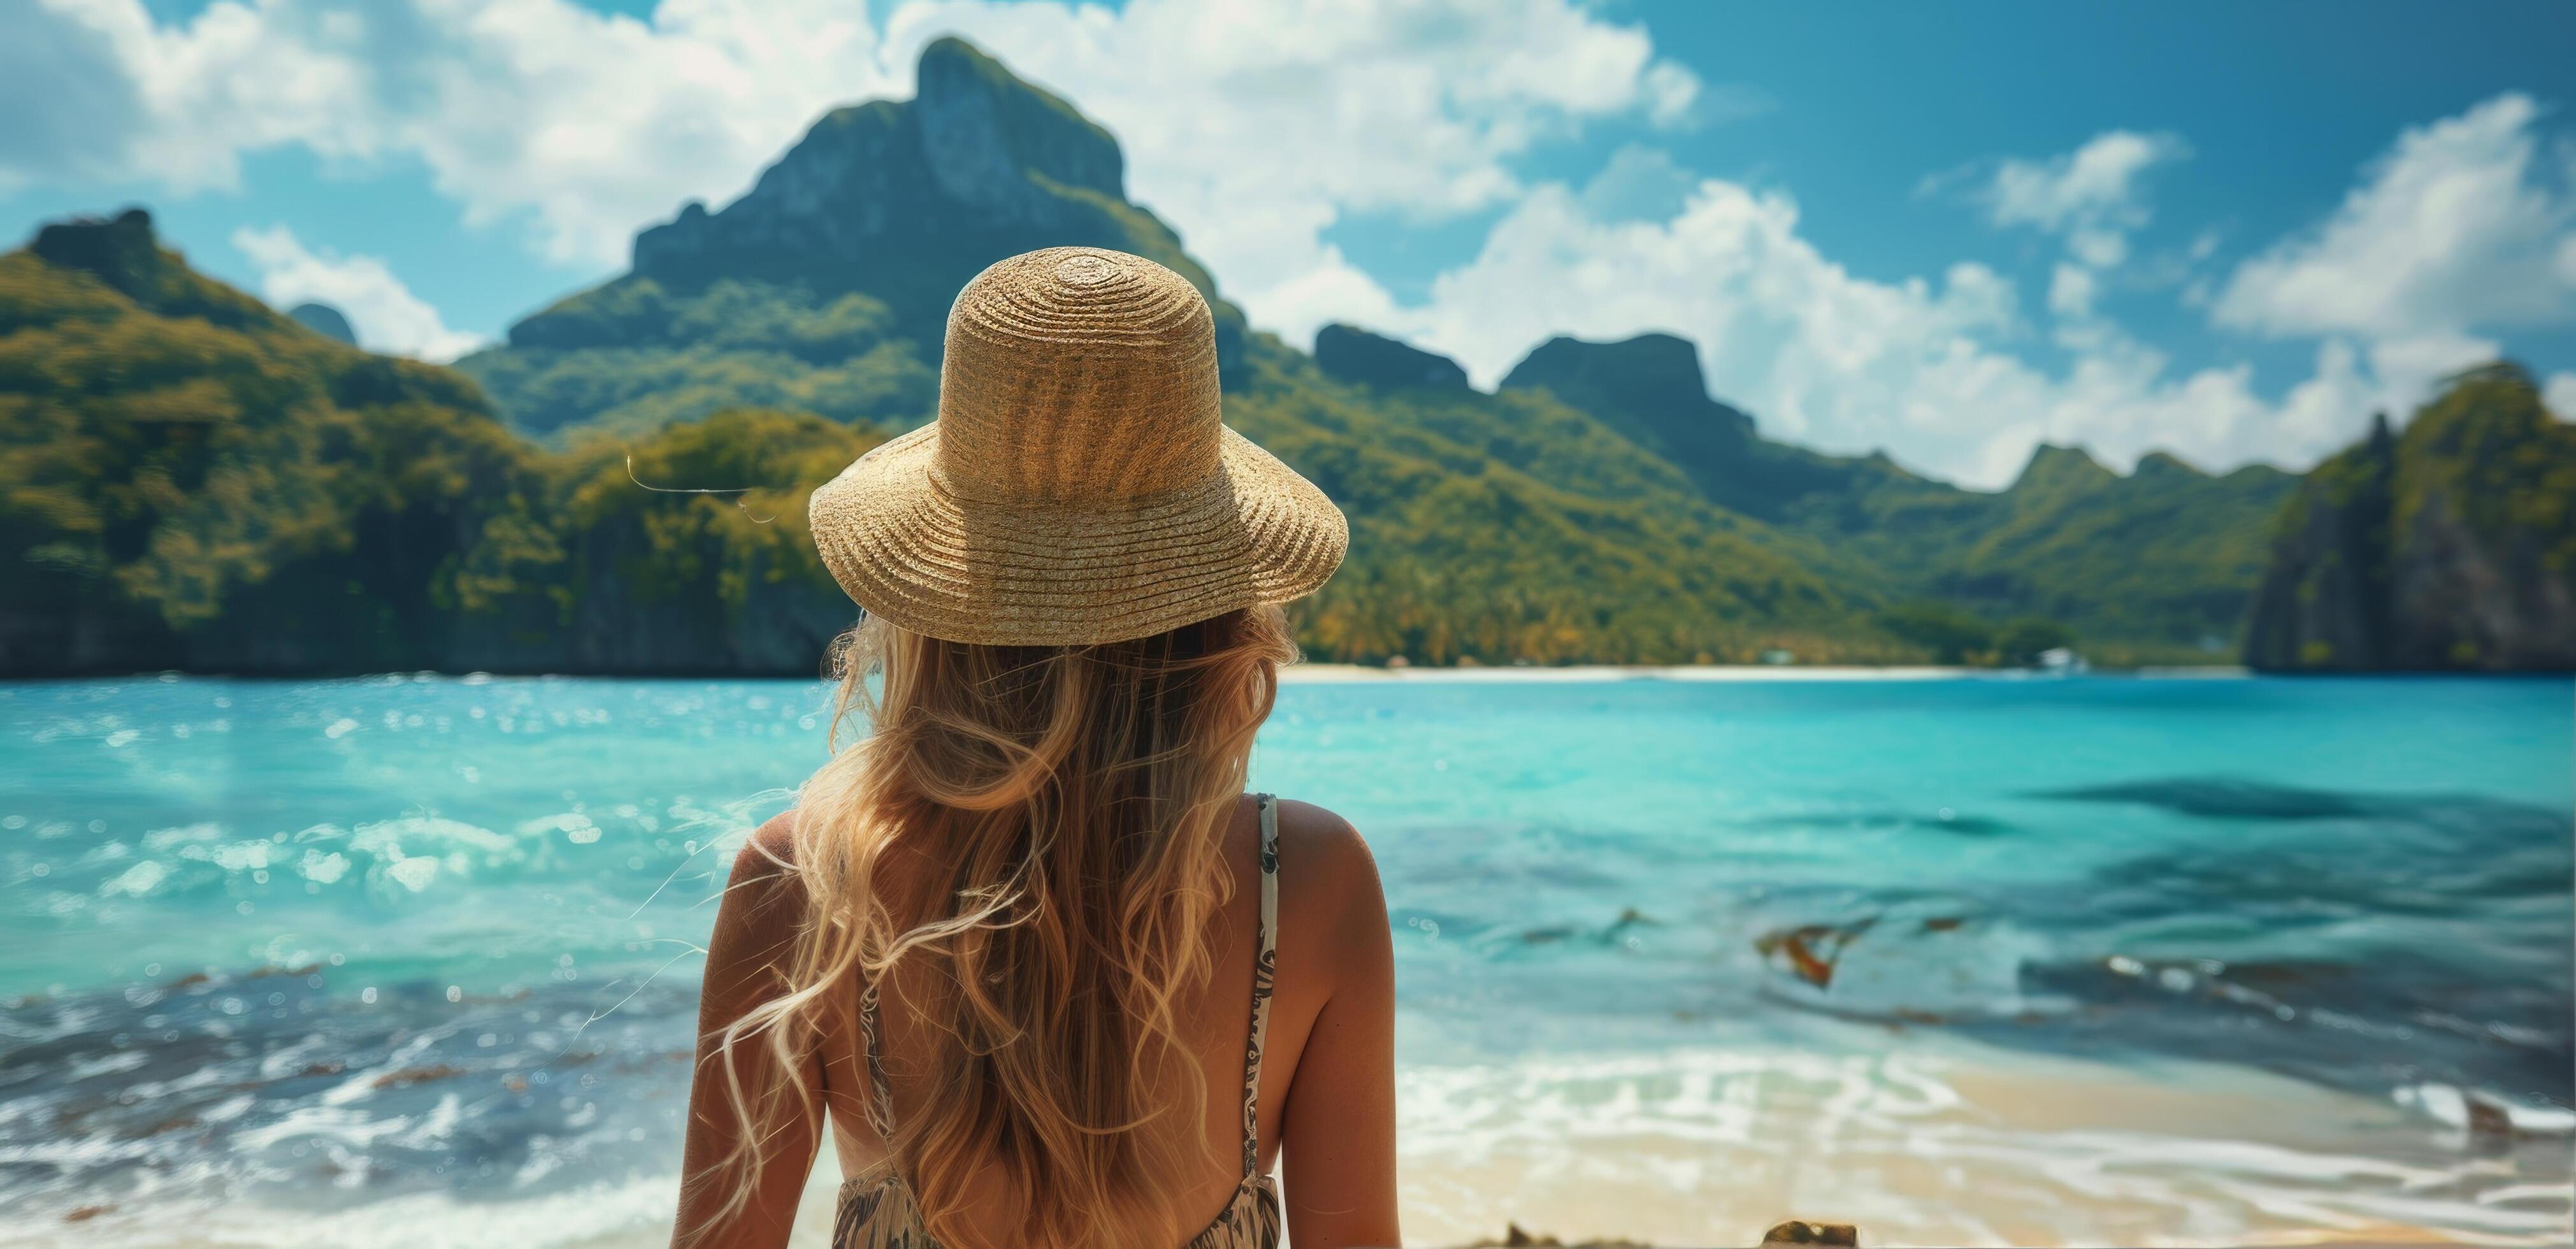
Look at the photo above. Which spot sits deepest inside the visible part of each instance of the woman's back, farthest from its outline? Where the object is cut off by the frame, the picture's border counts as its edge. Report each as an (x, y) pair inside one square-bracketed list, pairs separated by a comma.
[(1324, 1067), (1026, 946), (1328, 936)]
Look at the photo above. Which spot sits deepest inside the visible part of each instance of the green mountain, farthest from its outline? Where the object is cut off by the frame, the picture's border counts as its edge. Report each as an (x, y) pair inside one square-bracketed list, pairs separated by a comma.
[(2157, 564), (1514, 527), (190, 480), (826, 287), (2450, 546)]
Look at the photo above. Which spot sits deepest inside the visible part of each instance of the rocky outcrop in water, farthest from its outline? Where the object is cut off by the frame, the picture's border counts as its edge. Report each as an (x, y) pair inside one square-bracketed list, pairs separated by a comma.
[(2449, 546)]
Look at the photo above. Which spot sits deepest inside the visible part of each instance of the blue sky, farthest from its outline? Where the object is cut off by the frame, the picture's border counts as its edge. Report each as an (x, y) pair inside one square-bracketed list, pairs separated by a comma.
[(2230, 231)]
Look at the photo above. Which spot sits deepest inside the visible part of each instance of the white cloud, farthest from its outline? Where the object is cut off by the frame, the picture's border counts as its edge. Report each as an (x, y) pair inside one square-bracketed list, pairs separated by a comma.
[(1845, 363), (2094, 189), (1252, 126), (2450, 235), (2455, 229), (189, 101), (384, 312), (2091, 198), (2560, 395), (2070, 291), (1638, 183)]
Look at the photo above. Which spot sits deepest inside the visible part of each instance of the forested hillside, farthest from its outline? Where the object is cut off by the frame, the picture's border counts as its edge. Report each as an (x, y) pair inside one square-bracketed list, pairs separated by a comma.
[(2451, 545), (191, 480)]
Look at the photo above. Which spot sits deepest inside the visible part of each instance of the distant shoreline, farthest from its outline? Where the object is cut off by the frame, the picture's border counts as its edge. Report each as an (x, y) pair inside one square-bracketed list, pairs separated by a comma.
[(1339, 674)]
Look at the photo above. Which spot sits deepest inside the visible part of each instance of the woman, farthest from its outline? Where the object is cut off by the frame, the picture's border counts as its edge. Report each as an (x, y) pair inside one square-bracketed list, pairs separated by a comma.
[(1047, 973)]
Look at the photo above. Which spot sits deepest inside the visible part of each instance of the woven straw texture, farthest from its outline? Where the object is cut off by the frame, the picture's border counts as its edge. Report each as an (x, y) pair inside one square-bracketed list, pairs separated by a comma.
[(1079, 485)]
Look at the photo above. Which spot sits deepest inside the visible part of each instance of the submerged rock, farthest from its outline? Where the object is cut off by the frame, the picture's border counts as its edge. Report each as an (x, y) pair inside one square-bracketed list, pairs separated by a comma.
[(1812, 950), (1801, 1232)]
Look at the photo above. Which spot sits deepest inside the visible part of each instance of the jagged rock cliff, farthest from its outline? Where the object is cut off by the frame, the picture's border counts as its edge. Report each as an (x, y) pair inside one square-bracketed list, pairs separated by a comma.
[(826, 287), (2451, 546), (1355, 355)]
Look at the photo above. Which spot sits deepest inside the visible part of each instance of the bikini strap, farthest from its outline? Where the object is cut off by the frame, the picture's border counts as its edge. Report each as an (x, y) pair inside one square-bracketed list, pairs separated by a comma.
[(880, 1105), (1265, 974)]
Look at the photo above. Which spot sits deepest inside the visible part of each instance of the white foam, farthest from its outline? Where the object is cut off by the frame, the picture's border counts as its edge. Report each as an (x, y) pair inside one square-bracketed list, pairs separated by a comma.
[(1948, 1146), (138, 880)]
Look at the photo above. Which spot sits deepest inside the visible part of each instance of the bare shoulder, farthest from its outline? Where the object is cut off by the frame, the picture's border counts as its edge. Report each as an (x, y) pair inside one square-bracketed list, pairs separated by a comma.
[(1325, 847), (1328, 883), (770, 850), (765, 889)]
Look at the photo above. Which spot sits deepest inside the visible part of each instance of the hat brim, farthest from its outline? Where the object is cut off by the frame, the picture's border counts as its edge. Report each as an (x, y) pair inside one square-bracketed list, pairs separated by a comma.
[(1033, 574)]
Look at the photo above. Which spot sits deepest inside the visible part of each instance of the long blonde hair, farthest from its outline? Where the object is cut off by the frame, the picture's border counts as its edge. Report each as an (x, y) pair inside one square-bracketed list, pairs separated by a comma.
[(1066, 805)]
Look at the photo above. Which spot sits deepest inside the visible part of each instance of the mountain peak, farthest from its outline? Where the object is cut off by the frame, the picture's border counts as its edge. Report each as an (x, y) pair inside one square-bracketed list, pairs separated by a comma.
[(325, 320), (987, 129), (978, 161), (120, 251), (1651, 381), (123, 254), (1649, 370), (2055, 467), (827, 285), (2166, 464), (1356, 355)]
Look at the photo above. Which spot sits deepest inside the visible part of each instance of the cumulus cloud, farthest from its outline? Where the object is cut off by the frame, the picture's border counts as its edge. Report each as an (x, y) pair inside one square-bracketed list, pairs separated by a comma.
[(2458, 227), (1255, 127), (2096, 187), (1252, 126), (1822, 356), (526, 111), (2460, 230), (2560, 395), (383, 311), (180, 105), (2092, 198)]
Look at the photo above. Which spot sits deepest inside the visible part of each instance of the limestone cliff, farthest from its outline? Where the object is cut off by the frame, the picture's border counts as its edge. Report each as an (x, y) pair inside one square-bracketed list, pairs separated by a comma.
[(2451, 546)]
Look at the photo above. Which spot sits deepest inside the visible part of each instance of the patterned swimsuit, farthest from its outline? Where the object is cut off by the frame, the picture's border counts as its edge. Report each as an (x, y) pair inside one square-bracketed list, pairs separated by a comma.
[(877, 1210)]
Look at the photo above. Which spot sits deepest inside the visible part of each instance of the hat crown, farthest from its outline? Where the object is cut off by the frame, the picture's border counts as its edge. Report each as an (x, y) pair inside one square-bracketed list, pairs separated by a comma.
[(1078, 376)]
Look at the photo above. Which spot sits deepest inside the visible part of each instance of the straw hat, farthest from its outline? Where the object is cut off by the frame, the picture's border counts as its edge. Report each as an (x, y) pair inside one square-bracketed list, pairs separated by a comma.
[(1078, 486)]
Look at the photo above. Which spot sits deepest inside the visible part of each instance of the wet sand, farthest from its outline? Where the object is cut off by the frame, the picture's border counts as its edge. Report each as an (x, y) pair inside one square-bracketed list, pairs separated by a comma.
[(2021, 1150)]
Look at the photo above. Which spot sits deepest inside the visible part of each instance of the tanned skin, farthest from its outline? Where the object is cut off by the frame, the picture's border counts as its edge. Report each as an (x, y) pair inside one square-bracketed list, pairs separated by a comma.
[(1327, 1079)]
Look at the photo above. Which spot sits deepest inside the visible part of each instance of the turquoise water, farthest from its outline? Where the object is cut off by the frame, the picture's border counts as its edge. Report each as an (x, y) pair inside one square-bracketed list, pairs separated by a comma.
[(2301, 951)]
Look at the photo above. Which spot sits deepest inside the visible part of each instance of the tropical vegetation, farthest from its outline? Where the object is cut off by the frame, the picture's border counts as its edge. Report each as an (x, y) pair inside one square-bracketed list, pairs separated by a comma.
[(191, 480)]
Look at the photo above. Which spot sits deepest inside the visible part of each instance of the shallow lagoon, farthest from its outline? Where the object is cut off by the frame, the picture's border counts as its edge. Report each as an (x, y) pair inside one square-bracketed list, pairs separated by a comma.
[(2106, 959)]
